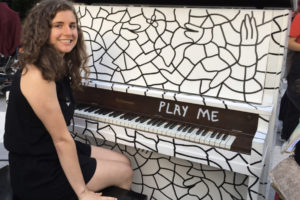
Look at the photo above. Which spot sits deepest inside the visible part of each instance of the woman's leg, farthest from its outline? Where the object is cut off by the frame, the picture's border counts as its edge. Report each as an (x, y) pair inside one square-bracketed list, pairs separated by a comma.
[(113, 169), (101, 153)]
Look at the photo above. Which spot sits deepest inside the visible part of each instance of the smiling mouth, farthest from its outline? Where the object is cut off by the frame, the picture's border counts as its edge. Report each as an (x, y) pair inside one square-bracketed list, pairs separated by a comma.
[(67, 41)]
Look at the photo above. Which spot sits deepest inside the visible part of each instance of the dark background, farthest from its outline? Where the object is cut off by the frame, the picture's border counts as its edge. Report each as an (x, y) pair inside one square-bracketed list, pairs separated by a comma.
[(22, 6)]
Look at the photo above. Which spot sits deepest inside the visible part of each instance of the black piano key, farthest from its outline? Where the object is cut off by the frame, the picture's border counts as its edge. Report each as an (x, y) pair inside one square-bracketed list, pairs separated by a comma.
[(99, 111), (105, 111), (213, 134), (151, 121), (144, 119), (139, 119), (219, 135), (199, 131), (92, 108), (168, 124), (111, 114), (118, 114), (180, 127), (224, 137), (86, 108), (80, 106), (160, 123), (126, 116), (191, 129), (204, 132), (156, 122), (132, 116), (185, 128), (172, 125), (123, 116)]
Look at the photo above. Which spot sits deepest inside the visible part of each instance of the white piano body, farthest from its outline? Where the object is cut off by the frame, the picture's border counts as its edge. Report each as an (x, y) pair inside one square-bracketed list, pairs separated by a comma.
[(225, 58)]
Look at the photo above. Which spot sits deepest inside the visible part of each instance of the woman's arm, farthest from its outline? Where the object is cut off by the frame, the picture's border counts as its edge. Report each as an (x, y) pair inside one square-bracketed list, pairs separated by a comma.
[(42, 97), (293, 44)]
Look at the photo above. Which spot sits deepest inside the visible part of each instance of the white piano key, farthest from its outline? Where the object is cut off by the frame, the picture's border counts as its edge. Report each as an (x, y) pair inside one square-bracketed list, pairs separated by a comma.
[(229, 142), (213, 140), (218, 141), (192, 136), (172, 132), (179, 134), (161, 130), (223, 143), (121, 122), (203, 136), (207, 137), (184, 132), (133, 123), (144, 126), (199, 136)]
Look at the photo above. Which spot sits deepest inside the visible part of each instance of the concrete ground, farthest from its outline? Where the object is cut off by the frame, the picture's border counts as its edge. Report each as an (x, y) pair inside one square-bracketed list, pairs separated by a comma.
[(3, 152)]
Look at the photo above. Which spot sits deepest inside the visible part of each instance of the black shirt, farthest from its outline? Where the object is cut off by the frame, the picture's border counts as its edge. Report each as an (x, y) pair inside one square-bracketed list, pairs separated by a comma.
[(25, 134)]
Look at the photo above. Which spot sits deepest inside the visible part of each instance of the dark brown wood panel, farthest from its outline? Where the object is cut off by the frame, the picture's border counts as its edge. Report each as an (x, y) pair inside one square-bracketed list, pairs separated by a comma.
[(243, 125)]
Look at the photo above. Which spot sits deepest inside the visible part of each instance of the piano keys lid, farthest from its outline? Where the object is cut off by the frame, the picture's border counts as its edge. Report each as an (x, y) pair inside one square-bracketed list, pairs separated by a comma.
[(259, 4)]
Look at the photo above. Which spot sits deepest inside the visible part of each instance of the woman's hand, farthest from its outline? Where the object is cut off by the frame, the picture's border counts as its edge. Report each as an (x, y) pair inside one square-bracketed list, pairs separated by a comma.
[(89, 195)]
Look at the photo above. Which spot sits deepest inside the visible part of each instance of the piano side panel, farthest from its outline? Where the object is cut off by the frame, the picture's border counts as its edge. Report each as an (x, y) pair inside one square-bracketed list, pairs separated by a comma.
[(275, 72)]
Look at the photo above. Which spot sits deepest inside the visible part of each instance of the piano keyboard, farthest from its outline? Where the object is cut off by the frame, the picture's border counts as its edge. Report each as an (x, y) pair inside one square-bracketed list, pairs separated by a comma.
[(159, 126)]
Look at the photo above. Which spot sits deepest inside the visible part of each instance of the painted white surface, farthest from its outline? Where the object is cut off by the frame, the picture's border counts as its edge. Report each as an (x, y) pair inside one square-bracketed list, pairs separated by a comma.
[(230, 59)]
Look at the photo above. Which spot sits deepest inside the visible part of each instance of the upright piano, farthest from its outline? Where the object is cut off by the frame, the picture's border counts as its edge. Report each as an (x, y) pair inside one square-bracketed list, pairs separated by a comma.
[(188, 90)]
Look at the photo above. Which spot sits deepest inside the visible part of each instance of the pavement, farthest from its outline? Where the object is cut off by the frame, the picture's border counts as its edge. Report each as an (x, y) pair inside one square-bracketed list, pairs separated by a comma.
[(3, 152)]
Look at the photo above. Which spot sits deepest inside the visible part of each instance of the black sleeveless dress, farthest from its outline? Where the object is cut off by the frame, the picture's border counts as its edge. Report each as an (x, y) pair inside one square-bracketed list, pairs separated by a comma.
[(36, 173)]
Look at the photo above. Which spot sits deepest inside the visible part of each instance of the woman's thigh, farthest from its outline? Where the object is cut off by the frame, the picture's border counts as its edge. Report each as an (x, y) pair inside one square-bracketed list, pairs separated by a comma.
[(101, 153), (110, 173)]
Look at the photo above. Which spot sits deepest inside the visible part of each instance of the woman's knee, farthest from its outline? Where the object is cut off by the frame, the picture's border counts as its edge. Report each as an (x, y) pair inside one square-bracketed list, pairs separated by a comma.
[(126, 160), (126, 177), (109, 173)]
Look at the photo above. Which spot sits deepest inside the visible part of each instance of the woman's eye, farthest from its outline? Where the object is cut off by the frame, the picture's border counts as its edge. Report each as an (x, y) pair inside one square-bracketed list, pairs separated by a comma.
[(73, 26), (57, 26)]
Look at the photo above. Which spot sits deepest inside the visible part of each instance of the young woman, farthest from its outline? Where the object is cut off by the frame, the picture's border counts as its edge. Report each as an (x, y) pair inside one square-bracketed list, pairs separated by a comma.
[(45, 161)]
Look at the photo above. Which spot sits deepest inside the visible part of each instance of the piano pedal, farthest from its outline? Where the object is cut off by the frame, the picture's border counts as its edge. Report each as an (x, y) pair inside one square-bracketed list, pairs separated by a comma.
[(123, 194)]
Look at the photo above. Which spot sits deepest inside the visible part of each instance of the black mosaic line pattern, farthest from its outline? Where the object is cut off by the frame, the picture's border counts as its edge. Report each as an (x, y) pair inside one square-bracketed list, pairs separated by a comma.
[(221, 184), (154, 48), (167, 178), (217, 54)]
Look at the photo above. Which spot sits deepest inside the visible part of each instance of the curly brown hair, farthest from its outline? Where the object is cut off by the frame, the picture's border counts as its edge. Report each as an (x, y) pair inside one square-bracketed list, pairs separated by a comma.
[(37, 50)]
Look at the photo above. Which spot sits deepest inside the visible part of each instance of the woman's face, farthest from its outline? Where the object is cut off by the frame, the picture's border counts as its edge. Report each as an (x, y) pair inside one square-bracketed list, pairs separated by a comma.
[(64, 35)]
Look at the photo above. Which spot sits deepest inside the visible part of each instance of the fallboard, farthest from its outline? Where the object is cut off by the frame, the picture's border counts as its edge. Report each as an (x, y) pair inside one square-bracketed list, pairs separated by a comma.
[(242, 125)]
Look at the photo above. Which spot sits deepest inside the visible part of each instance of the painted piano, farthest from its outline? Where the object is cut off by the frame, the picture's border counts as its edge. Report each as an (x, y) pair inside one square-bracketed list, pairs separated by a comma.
[(188, 91)]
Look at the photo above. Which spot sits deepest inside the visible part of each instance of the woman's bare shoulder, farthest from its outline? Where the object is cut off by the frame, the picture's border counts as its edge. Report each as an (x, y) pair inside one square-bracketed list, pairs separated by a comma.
[(32, 72), (32, 81)]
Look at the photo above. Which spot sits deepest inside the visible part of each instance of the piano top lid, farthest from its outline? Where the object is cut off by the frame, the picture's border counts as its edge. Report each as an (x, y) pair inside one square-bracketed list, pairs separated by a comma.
[(258, 4)]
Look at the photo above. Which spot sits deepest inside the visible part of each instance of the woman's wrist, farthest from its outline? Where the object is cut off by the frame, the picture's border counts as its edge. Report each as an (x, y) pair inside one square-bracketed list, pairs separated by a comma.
[(81, 191)]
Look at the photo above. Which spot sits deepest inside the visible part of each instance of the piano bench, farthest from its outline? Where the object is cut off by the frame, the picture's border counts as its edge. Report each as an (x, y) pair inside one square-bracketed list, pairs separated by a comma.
[(123, 194)]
